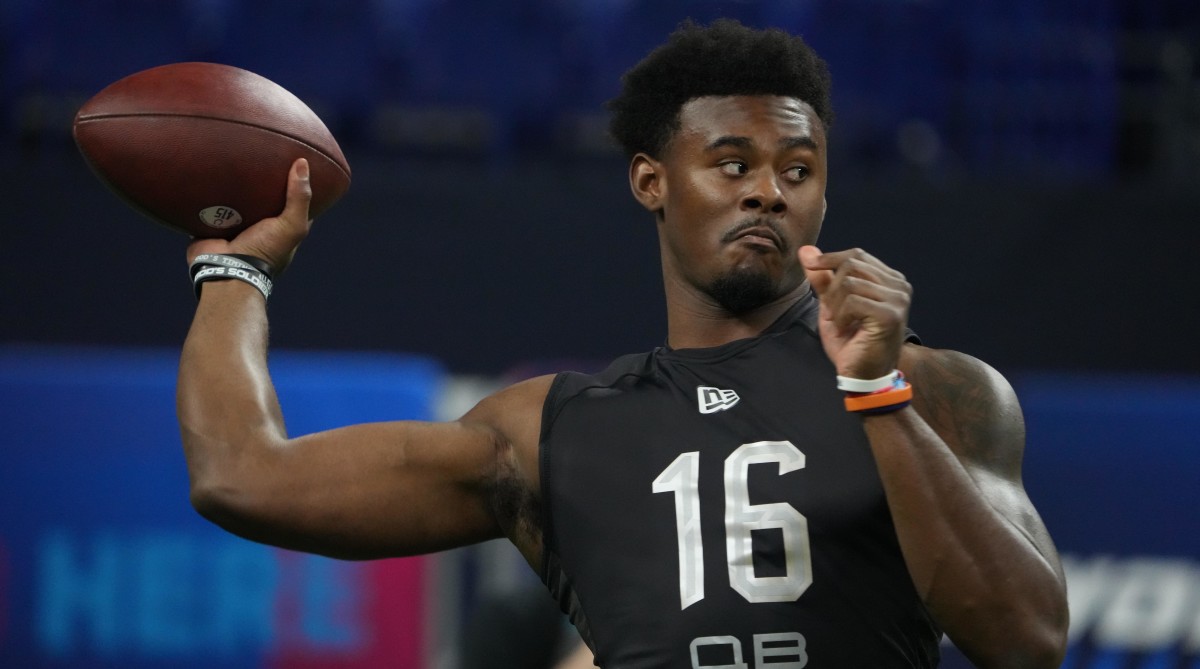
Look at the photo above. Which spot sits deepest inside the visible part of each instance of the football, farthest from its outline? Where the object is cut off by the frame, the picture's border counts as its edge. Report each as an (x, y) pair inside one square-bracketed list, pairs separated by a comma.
[(205, 148)]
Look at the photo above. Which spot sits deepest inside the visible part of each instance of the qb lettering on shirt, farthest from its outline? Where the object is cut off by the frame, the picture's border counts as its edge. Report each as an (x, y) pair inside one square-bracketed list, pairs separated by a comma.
[(786, 650)]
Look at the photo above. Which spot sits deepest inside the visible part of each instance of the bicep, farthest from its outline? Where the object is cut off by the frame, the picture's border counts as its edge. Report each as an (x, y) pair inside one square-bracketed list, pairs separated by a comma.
[(977, 414), (364, 491)]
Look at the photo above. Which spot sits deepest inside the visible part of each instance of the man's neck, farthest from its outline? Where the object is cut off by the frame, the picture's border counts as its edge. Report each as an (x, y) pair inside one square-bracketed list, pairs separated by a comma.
[(699, 323)]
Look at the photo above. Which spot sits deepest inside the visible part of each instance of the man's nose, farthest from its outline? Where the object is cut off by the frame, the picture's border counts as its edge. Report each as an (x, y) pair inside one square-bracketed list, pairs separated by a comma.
[(765, 195)]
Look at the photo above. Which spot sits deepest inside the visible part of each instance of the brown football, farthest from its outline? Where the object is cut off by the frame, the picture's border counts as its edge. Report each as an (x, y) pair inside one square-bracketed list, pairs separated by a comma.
[(205, 148)]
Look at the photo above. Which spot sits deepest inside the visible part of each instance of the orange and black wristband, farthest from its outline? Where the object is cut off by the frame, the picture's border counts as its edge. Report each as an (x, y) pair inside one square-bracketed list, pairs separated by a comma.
[(892, 398)]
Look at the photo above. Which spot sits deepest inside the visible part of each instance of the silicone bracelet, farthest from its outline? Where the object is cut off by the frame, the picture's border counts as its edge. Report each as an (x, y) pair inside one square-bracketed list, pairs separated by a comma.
[(892, 399), (219, 267), (852, 385), (251, 276)]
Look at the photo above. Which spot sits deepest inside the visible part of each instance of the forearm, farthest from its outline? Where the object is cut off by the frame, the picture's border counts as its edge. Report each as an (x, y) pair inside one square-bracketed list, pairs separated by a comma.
[(226, 404), (987, 582)]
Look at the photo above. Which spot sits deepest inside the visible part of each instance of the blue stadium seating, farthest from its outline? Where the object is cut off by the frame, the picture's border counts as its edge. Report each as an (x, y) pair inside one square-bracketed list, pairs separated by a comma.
[(985, 86)]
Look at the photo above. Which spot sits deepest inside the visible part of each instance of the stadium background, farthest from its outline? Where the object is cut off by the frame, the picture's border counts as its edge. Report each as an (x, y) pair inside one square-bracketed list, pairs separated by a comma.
[(1029, 165)]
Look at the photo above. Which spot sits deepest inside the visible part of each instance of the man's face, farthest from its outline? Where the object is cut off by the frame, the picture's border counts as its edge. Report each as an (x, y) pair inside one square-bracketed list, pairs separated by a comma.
[(742, 186)]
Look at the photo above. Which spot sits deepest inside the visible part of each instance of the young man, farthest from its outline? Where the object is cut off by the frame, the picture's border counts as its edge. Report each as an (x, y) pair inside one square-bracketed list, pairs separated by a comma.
[(760, 491)]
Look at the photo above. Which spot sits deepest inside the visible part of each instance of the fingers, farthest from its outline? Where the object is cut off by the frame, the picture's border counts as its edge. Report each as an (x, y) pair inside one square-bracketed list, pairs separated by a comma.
[(879, 309), (810, 256), (854, 259), (818, 276), (857, 287)]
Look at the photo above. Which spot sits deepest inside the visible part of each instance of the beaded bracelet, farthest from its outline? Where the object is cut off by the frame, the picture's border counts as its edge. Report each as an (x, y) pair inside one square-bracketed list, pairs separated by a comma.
[(891, 398)]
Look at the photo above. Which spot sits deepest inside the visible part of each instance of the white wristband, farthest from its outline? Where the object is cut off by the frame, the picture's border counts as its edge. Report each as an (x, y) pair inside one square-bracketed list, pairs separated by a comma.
[(867, 385), (251, 276), (215, 267)]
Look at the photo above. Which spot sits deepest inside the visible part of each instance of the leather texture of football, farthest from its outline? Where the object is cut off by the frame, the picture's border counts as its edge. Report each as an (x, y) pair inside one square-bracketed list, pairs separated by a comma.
[(205, 148)]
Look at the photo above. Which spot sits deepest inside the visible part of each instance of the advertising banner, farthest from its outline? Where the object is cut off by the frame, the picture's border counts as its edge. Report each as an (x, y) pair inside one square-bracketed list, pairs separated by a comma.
[(103, 562)]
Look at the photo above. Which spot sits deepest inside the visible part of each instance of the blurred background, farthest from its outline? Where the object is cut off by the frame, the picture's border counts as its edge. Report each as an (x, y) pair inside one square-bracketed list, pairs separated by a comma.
[(1030, 166)]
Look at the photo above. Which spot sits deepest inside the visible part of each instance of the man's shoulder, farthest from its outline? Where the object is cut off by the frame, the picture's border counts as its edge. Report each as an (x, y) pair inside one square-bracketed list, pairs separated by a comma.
[(941, 367), (630, 364), (520, 398), (512, 414), (969, 403), (620, 374)]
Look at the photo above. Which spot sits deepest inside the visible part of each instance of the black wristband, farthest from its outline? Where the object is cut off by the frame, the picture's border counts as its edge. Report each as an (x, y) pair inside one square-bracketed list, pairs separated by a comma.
[(216, 267), (258, 263)]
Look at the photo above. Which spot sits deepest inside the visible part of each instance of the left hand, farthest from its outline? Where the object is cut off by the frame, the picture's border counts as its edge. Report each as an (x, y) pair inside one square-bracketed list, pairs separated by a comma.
[(864, 310)]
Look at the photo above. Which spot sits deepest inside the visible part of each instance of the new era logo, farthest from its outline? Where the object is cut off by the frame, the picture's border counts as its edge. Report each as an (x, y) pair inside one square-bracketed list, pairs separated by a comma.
[(713, 400)]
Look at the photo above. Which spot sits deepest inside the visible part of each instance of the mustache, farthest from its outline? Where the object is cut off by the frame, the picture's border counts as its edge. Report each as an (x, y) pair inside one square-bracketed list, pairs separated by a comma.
[(758, 222)]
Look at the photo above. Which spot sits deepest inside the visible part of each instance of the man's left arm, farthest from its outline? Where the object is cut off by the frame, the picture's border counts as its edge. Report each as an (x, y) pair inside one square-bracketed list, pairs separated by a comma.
[(977, 550)]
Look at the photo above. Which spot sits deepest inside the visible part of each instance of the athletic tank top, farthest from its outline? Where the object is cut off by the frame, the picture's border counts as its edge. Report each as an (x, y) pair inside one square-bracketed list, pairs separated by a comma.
[(719, 507)]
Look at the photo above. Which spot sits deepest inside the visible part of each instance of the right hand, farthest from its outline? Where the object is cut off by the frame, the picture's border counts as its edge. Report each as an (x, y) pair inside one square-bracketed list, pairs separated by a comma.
[(276, 239)]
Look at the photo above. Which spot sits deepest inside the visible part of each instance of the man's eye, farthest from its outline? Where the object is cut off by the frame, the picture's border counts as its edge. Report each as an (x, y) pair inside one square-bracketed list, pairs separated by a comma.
[(798, 173), (733, 168)]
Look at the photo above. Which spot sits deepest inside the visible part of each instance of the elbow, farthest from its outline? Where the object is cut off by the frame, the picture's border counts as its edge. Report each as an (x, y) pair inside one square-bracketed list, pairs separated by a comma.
[(1047, 631), (1035, 640), (1055, 645), (1045, 648), (211, 488), (226, 483), (1044, 651), (234, 509), (230, 497), (215, 501)]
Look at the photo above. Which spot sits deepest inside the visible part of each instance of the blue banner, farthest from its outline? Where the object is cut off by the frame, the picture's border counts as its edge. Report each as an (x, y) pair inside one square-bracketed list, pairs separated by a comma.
[(103, 562)]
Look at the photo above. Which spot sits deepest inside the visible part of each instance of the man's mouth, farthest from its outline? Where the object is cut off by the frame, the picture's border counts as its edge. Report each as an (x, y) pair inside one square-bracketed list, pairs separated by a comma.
[(757, 233)]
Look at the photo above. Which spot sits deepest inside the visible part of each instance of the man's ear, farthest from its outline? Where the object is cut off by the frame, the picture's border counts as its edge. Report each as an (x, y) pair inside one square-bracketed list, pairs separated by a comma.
[(646, 180)]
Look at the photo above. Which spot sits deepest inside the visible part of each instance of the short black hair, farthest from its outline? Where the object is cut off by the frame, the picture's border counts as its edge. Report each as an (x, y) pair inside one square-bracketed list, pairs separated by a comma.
[(723, 58)]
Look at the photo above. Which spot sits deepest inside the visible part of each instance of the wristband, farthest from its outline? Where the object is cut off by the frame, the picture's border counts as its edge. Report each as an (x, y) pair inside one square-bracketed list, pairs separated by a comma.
[(867, 385), (230, 260), (893, 398), (258, 263), (217, 267)]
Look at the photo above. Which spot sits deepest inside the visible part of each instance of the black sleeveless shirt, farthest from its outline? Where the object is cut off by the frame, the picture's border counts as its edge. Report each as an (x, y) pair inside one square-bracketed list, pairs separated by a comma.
[(719, 508)]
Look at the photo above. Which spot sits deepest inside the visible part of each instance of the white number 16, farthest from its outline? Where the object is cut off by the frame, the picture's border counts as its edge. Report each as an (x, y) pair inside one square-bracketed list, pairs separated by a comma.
[(682, 477)]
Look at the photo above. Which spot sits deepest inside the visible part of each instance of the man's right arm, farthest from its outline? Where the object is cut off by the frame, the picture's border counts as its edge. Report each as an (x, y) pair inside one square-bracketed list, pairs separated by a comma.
[(358, 492)]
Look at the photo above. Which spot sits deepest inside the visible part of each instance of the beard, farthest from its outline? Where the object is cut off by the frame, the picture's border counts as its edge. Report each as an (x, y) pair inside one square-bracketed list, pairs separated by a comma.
[(741, 290)]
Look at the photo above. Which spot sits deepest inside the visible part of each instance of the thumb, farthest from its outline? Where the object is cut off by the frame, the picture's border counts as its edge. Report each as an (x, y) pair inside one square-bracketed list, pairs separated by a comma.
[(299, 194), (810, 260), (275, 239)]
